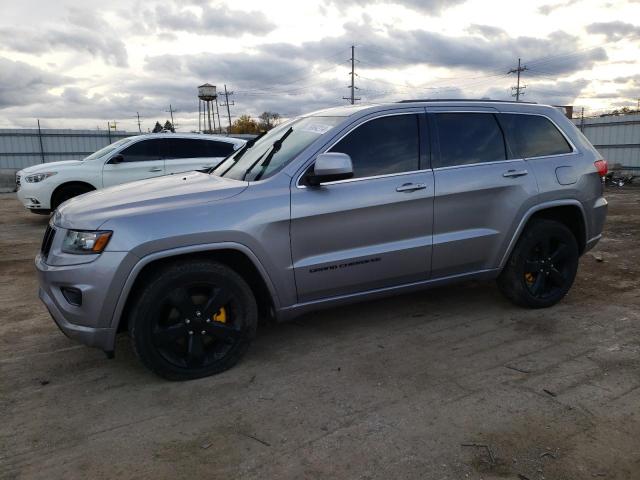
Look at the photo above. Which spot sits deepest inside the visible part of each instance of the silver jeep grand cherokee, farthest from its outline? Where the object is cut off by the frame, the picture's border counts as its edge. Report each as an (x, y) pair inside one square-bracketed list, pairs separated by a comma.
[(341, 205)]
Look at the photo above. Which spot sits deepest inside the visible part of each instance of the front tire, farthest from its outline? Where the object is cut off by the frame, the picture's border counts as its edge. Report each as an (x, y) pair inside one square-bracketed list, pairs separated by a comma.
[(542, 266), (193, 319), (67, 192)]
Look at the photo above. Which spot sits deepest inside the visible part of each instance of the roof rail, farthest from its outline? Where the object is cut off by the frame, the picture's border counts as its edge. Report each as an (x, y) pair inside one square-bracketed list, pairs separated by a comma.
[(460, 100)]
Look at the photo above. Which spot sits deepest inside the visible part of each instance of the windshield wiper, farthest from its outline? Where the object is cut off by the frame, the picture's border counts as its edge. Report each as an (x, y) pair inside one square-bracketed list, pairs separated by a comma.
[(277, 145), (238, 154)]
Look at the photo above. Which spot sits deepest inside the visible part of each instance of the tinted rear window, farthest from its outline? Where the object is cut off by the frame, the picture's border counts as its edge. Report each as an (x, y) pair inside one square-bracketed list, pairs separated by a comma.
[(467, 138), (195, 148), (383, 146), (533, 136)]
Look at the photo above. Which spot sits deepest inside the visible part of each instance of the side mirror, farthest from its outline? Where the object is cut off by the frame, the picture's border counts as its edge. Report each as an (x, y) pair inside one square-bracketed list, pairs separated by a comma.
[(117, 158), (330, 167)]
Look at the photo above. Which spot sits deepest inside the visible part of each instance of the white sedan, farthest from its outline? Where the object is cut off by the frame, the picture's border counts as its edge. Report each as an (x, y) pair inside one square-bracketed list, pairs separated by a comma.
[(42, 188)]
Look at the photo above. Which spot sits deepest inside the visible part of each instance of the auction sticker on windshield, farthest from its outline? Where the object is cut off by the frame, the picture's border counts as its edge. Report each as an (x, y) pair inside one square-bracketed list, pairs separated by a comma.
[(318, 128)]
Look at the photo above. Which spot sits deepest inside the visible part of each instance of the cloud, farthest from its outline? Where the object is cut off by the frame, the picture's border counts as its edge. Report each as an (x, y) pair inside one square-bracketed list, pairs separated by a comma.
[(23, 84), (397, 48), (261, 70), (552, 93), (220, 21), (550, 7), (423, 6), (103, 44), (631, 78), (486, 31), (615, 30)]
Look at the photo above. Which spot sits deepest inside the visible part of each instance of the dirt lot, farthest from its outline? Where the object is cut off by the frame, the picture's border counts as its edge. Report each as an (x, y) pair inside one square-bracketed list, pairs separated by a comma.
[(388, 389)]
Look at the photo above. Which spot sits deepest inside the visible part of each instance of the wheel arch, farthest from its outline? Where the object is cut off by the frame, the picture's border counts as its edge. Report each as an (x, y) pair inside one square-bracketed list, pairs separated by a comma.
[(568, 212), (236, 256), (70, 183)]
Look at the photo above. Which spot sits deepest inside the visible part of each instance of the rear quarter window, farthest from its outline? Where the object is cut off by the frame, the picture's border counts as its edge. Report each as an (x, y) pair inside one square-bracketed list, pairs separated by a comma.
[(219, 149), (533, 136)]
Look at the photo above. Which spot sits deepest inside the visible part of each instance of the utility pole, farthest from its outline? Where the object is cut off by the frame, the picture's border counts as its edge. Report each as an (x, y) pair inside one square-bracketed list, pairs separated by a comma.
[(139, 126), (518, 89), (218, 113), (227, 104), (40, 138), (171, 113), (352, 99), (582, 119)]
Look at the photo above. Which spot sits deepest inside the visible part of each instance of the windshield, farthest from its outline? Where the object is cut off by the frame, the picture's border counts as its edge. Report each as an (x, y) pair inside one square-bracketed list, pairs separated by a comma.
[(275, 149), (108, 149)]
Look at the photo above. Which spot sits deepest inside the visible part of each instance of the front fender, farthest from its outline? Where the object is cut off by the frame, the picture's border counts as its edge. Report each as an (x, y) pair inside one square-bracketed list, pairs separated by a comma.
[(211, 247)]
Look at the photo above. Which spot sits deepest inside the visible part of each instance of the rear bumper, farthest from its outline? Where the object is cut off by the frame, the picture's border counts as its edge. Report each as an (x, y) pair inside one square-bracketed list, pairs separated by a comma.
[(598, 216)]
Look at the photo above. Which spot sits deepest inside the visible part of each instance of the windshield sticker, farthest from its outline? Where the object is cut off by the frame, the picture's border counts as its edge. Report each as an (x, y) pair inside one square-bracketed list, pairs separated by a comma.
[(318, 128)]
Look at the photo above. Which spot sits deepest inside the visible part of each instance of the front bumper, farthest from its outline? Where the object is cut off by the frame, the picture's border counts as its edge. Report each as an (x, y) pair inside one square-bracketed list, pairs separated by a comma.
[(100, 281), (32, 198), (103, 338)]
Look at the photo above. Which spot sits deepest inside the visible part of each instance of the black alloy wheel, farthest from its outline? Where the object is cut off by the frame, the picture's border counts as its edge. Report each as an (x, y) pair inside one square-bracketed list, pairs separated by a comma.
[(192, 319), (195, 325), (547, 267), (542, 266)]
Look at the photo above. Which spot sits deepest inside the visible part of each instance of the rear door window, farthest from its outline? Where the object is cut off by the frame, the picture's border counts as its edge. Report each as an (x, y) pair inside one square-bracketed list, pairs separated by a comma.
[(187, 148), (383, 146), (533, 136), (197, 148), (467, 138)]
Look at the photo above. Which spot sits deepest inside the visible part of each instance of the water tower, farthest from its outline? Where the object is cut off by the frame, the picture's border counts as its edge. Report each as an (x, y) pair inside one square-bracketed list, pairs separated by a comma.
[(207, 96)]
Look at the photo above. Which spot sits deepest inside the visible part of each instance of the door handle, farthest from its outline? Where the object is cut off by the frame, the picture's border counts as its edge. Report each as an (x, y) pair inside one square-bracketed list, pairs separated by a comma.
[(208, 166), (411, 187), (514, 173), (155, 169)]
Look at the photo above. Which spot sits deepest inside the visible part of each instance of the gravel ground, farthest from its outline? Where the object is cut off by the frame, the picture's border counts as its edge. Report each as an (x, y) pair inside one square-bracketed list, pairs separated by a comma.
[(451, 383)]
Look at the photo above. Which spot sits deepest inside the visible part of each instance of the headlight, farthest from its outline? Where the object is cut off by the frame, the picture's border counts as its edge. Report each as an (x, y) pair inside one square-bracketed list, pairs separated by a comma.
[(38, 177), (81, 242)]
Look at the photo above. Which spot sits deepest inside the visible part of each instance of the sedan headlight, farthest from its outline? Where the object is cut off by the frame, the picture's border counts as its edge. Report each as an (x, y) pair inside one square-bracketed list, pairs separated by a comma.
[(83, 242), (38, 177)]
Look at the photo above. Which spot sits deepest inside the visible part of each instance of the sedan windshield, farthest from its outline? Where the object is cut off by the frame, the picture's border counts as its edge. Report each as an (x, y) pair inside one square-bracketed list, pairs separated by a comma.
[(108, 149), (275, 149)]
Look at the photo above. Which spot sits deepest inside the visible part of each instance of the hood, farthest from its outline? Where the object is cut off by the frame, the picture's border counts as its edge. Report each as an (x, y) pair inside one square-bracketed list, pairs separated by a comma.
[(50, 167), (161, 194)]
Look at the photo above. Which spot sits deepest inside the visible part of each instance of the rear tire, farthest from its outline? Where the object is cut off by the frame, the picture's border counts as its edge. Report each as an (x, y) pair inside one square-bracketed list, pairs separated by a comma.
[(67, 192), (176, 326), (542, 266)]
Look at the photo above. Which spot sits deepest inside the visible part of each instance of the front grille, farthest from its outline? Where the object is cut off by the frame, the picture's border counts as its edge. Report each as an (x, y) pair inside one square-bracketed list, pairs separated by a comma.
[(47, 240), (17, 182)]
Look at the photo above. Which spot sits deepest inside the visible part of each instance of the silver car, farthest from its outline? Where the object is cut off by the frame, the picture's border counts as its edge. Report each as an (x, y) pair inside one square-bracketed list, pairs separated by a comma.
[(341, 205)]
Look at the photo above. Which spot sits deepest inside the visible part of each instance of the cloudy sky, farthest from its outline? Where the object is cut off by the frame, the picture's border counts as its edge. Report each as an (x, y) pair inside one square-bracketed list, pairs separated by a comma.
[(79, 64)]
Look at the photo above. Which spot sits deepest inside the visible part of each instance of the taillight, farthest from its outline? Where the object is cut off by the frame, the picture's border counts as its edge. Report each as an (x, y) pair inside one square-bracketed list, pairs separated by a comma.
[(602, 167)]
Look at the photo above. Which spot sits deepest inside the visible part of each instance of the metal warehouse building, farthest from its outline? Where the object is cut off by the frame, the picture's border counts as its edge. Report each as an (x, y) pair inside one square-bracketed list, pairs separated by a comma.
[(617, 138), (20, 148)]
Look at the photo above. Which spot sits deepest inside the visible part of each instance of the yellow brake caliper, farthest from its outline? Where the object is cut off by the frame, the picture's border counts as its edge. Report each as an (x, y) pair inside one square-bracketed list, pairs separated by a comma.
[(529, 278), (220, 315)]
